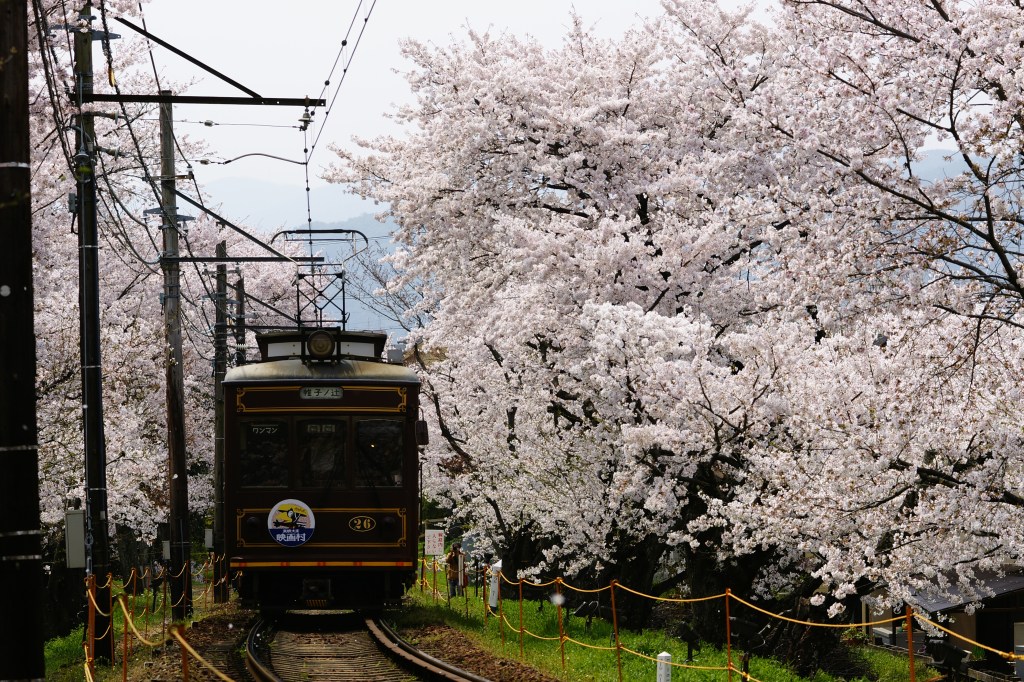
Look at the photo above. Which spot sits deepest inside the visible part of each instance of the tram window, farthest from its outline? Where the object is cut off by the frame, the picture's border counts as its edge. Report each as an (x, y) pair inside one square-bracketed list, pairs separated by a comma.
[(263, 455), (321, 445), (379, 453)]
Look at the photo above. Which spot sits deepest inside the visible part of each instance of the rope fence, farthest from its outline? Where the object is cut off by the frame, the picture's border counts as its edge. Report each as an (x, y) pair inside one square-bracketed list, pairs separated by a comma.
[(494, 606), (126, 605)]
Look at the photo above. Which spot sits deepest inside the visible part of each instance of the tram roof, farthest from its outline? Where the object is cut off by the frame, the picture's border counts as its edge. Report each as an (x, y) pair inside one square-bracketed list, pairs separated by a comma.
[(344, 369)]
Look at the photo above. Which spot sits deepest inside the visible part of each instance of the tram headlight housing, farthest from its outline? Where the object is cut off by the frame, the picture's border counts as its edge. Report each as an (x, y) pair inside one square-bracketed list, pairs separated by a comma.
[(320, 345)]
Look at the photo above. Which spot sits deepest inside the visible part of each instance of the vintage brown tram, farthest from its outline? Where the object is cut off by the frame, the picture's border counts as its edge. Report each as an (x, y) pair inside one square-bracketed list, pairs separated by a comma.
[(321, 472)]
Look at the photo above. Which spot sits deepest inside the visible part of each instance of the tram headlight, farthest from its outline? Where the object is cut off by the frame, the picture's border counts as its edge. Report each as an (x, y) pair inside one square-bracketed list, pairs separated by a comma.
[(320, 345)]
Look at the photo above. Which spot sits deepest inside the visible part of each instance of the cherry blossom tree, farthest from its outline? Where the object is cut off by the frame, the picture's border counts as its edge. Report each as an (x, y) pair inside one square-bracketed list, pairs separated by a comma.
[(881, 85), (695, 313), (574, 191)]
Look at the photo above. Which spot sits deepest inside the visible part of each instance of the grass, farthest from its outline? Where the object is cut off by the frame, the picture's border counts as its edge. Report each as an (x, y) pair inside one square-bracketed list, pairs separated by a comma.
[(65, 656), (589, 651)]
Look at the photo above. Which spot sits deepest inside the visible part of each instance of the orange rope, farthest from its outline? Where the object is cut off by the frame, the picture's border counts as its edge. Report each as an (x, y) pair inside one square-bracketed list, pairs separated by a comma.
[(844, 626)]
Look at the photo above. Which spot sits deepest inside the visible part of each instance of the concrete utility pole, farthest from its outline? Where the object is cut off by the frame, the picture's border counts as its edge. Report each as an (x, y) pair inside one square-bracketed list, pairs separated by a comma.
[(240, 323), (220, 367), (21, 562), (97, 538), (177, 469)]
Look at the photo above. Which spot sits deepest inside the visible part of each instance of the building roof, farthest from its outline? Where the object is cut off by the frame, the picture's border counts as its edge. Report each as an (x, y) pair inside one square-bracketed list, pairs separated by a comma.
[(990, 585)]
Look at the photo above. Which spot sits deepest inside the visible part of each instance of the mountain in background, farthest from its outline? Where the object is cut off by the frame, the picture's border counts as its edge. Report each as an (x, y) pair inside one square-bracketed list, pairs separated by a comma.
[(272, 206)]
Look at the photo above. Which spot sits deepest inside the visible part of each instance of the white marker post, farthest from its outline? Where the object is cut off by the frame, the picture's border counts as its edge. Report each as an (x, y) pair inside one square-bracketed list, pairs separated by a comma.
[(664, 667)]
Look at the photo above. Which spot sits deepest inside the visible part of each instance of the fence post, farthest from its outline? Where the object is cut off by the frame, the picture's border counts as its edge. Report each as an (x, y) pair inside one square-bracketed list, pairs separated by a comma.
[(522, 654), (163, 603), (110, 610), (561, 627), (90, 645), (124, 636), (910, 641), (501, 614), (145, 607), (728, 633), (664, 667), (615, 629), (434, 567), (135, 598), (184, 657)]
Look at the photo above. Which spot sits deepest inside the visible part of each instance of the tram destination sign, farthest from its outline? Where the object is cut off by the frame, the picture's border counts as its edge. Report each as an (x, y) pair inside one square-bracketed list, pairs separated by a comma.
[(321, 393), (322, 398)]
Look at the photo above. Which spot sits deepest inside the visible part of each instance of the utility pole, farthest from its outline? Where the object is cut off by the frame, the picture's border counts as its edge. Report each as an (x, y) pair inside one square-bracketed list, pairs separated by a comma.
[(220, 366), (178, 518), (240, 323), (21, 562), (97, 538)]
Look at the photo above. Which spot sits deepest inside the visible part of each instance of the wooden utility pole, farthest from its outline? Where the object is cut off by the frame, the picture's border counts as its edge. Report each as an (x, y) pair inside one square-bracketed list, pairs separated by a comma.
[(21, 564), (97, 537), (220, 367), (177, 469)]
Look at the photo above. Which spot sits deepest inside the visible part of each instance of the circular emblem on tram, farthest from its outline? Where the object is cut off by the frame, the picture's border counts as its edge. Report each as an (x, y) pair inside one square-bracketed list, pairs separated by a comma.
[(291, 523)]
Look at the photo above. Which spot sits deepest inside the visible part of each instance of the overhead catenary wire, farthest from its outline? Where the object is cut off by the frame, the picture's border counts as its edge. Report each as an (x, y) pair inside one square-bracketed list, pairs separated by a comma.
[(146, 176), (114, 206), (48, 59), (199, 201), (344, 73), (211, 124), (308, 149)]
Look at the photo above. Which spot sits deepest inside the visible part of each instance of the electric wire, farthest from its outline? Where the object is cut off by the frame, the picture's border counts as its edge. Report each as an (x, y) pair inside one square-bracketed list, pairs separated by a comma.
[(211, 124), (113, 212), (199, 196), (344, 73), (48, 59), (66, 14), (148, 178), (308, 149), (121, 238), (116, 206), (191, 175), (118, 203)]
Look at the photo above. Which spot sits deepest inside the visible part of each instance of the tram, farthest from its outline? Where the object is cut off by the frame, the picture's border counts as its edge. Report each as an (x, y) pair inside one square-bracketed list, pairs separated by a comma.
[(321, 472)]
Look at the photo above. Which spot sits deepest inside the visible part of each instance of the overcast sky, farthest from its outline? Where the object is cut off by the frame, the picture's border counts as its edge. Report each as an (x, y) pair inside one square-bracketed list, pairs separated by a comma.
[(287, 50)]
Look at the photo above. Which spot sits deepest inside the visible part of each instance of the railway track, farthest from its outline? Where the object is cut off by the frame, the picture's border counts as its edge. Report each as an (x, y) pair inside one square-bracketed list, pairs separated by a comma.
[(339, 648)]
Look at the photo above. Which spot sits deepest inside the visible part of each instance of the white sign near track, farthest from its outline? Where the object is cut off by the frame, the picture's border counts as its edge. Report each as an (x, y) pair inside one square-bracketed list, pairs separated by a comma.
[(433, 543)]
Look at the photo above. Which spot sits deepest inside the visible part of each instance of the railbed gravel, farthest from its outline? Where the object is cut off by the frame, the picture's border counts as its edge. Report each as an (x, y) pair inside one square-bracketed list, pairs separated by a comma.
[(220, 637)]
